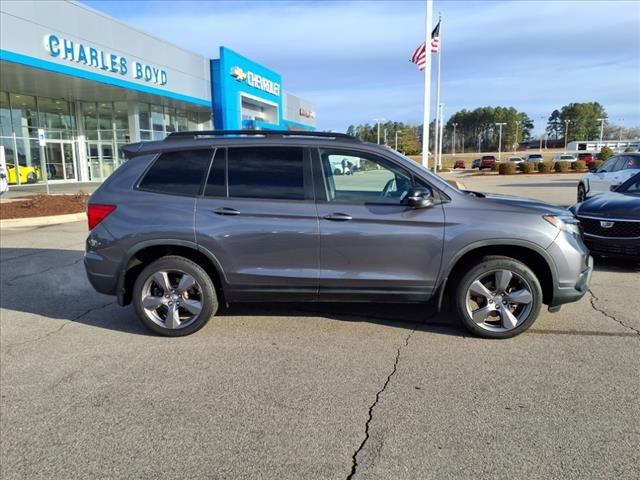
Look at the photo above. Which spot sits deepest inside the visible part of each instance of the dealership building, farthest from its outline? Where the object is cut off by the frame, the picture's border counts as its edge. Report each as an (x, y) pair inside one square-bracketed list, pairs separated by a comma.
[(77, 84)]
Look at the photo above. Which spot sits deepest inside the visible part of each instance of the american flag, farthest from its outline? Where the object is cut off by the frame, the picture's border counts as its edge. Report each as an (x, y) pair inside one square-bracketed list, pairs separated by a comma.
[(419, 56)]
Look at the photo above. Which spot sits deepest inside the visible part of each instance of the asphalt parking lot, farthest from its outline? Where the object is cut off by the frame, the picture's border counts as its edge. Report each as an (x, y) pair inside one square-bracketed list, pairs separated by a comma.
[(307, 391), (559, 189)]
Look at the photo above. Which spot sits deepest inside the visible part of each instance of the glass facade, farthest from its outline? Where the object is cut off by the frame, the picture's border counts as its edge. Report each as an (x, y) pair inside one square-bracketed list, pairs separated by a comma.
[(156, 121), (80, 132)]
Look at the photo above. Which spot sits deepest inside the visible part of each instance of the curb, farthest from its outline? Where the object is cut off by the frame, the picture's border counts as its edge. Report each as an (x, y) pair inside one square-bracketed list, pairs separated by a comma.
[(42, 221)]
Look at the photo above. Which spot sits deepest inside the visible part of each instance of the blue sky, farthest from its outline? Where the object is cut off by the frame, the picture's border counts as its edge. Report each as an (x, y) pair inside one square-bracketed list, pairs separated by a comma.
[(351, 58)]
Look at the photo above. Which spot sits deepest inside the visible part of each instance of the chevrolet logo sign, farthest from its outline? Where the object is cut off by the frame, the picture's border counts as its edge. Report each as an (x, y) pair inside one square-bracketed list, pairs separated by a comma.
[(606, 224), (238, 74)]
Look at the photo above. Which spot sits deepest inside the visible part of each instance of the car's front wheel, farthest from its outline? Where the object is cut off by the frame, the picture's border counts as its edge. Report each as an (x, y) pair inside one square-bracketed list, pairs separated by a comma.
[(174, 296), (582, 193), (499, 297)]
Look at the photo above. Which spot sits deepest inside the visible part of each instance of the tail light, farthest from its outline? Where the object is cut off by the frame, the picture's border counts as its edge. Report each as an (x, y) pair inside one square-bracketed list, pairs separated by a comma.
[(97, 212)]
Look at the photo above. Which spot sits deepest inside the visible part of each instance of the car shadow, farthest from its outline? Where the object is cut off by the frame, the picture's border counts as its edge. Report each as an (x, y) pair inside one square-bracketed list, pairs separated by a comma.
[(615, 264), (51, 283)]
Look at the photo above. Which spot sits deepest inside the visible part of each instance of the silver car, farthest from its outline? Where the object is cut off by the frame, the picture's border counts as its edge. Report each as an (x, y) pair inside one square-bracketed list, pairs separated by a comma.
[(207, 218)]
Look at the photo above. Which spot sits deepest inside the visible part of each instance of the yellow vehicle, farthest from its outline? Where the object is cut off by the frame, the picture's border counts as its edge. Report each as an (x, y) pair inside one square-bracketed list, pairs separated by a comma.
[(27, 174)]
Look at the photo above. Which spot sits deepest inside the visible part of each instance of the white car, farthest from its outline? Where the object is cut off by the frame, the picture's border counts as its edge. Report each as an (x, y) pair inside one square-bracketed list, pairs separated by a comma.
[(611, 173), (515, 160), (533, 158), (564, 157)]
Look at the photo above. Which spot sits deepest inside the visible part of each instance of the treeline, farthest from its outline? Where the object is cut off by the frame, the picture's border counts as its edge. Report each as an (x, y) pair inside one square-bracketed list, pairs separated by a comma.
[(409, 136), (584, 121), (478, 129)]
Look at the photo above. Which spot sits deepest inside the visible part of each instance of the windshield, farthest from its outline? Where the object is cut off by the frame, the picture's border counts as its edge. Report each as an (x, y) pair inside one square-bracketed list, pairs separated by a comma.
[(631, 186)]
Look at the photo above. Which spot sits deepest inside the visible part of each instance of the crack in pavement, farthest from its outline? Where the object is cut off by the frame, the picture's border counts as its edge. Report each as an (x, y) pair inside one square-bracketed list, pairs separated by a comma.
[(9, 346), (593, 301), (354, 457), (10, 281)]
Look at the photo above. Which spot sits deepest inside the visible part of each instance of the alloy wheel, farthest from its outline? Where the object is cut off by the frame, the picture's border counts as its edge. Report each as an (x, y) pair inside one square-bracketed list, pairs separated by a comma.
[(499, 300), (172, 299)]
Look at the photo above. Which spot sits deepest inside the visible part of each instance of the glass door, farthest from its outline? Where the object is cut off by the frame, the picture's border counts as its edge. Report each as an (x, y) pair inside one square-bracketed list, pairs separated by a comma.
[(107, 159), (102, 161), (69, 160), (60, 160), (53, 161), (93, 154)]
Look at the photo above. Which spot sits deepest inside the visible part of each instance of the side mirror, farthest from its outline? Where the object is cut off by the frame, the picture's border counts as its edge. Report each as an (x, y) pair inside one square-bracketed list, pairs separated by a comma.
[(420, 198)]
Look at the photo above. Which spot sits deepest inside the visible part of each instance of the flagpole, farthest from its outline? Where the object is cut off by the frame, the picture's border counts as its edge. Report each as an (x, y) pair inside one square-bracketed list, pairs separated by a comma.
[(427, 85), (441, 131), (438, 88)]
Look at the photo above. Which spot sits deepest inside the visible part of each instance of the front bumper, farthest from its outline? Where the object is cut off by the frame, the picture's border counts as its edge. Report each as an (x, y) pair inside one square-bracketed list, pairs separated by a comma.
[(573, 266), (564, 295)]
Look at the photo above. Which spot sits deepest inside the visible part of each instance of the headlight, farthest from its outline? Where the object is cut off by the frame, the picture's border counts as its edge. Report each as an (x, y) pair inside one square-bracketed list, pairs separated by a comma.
[(566, 223)]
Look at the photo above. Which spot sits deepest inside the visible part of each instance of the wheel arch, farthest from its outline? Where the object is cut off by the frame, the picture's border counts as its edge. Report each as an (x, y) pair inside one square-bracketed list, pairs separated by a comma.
[(532, 255), (144, 253)]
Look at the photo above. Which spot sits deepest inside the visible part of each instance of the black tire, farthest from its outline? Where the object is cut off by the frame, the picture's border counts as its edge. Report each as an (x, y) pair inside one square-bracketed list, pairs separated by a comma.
[(582, 193), (32, 178), (207, 294), (487, 265)]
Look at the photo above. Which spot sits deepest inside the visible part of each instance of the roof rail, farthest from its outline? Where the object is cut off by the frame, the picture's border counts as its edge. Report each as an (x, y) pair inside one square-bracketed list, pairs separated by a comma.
[(258, 133)]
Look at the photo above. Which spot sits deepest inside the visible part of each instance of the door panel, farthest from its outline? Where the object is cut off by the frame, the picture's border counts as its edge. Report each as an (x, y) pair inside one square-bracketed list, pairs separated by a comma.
[(262, 244), (373, 246), (268, 247)]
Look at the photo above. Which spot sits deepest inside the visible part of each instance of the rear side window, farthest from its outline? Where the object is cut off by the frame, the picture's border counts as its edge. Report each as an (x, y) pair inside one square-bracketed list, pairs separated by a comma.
[(177, 173), (266, 172)]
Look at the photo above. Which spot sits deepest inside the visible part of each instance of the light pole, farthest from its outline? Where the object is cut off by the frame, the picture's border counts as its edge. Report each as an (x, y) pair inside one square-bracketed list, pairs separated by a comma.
[(566, 133), (453, 141), (515, 144), (462, 144), (385, 136), (378, 120), (601, 120), (479, 140), (500, 125), (621, 127)]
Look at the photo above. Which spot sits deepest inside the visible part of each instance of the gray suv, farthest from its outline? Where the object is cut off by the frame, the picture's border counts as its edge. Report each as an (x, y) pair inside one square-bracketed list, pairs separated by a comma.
[(208, 218)]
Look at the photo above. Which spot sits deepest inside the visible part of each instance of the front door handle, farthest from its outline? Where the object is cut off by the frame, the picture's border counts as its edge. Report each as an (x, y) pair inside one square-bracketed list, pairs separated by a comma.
[(338, 217), (226, 211)]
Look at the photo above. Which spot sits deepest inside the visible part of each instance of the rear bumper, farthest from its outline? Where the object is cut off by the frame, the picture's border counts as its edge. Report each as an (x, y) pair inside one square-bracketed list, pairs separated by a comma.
[(105, 283)]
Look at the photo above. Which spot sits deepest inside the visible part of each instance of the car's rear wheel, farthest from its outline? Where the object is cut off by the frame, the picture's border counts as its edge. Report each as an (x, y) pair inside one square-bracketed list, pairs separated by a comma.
[(174, 296), (31, 177), (582, 193), (499, 297)]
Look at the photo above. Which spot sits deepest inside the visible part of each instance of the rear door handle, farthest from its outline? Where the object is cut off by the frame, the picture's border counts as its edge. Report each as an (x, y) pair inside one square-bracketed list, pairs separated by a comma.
[(338, 217), (226, 211)]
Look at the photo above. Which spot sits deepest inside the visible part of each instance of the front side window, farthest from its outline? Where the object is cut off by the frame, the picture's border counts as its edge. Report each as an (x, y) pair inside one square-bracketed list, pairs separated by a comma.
[(631, 163), (177, 173), (266, 172), (358, 177)]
